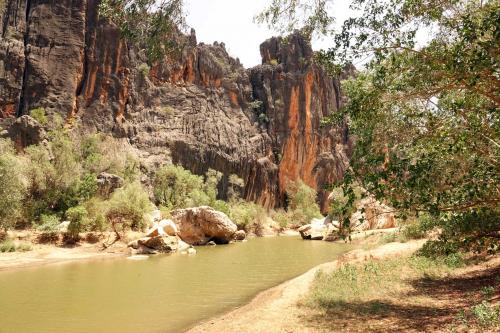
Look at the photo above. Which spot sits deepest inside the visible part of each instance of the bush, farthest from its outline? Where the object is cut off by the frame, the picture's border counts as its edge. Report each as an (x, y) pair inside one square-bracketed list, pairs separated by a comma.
[(302, 202), (176, 187), (248, 216), (283, 218), (128, 205), (49, 228), (39, 115), (144, 69), (7, 246), (96, 218), (77, 216), (235, 188), (12, 188), (167, 110)]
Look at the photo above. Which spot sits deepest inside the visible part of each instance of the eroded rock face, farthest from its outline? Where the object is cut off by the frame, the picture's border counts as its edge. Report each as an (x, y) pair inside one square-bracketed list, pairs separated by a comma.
[(201, 108), (200, 225), (376, 215), (108, 183), (26, 131)]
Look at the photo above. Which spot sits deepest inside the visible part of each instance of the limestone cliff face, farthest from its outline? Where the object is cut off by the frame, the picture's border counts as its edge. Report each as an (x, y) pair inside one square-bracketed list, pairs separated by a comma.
[(199, 108)]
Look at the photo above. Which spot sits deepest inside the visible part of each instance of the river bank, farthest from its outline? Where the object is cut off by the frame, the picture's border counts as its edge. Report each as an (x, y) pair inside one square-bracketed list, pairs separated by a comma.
[(276, 310), (433, 297)]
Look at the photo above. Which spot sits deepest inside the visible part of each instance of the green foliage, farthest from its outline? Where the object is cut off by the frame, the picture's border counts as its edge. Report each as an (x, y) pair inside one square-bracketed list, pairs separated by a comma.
[(48, 228), (487, 314), (425, 117), (12, 187), (248, 216), (39, 115), (167, 110), (263, 118), (144, 69), (128, 205), (273, 62), (176, 187), (235, 188), (7, 246), (96, 218), (152, 24), (470, 231), (302, 202), (282, 217), (256, 105), (77, 216)]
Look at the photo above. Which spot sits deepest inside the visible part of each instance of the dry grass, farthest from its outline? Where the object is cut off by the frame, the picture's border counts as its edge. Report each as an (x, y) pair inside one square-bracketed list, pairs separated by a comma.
[(412, 294)]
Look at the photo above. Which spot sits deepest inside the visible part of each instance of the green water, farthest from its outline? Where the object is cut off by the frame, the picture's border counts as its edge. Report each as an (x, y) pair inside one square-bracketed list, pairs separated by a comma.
[(162, 294)]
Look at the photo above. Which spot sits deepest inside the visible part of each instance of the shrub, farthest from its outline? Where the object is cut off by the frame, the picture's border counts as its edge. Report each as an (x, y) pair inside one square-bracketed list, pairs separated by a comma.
[(127, 207), (39, 115), (12, 188), (256, 105), (144, 69), (236, 186), (49, 228), (248, 216), (24, 247), (283, 218), (167, 110), (176, 187), (96, 218), (487, 314), (302, 202), (273, 62), (7, 246), (77, 216)]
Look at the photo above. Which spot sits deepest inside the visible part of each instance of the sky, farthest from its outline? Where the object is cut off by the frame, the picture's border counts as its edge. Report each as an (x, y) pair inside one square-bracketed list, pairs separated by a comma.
[(231, 22)]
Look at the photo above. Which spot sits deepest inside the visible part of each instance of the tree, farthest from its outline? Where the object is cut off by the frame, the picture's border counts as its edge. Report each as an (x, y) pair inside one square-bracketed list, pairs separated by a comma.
[(424, 115), (152, 24), (12, 188)]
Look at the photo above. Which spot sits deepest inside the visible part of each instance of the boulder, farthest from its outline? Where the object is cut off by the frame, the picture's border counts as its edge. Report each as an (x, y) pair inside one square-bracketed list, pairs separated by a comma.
[(165, 244), (240, 235), (108, 183), (27, 131), (375, 216), (312, 231), (162, 228), (200, 225)]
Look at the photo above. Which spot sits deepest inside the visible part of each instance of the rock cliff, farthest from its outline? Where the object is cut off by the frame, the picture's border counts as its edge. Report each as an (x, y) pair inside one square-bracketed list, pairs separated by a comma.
[(198, 107)]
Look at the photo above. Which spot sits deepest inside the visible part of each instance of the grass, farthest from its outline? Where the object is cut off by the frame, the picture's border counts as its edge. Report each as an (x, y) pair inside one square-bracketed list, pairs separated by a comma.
[(10, 246), (400, 292)]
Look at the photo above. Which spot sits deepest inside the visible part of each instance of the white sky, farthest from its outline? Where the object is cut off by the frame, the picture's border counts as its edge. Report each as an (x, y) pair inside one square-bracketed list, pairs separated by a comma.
[(231, 22)]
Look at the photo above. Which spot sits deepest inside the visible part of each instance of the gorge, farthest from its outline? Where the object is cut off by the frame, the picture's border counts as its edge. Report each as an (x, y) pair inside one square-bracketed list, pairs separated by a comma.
[(199, 108)]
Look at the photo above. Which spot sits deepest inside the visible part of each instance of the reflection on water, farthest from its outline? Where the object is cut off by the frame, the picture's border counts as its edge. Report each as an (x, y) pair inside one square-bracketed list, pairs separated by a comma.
[(163, 294)]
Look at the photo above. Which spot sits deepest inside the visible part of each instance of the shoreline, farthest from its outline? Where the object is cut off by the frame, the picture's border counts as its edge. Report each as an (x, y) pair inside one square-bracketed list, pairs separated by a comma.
[(50, 254), (276, 307)]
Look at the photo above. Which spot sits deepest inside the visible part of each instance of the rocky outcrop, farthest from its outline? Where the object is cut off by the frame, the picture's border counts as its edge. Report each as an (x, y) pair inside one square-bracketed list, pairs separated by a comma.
[(199, 108), (296, 94), (372, 214), (200, 225), (26, 131), (108, 183)]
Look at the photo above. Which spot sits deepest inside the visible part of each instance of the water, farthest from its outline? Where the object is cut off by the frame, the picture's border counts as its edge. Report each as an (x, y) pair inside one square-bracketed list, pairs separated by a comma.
[(167, 293)]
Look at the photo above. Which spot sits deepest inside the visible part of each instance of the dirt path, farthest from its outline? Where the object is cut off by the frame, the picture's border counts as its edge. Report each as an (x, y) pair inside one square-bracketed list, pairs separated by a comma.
[(275, 310)]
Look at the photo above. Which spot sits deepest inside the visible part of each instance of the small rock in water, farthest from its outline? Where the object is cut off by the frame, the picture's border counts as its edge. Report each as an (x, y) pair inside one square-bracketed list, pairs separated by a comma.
[(240, 235), (211, 243), (191, 251), (138, 257)]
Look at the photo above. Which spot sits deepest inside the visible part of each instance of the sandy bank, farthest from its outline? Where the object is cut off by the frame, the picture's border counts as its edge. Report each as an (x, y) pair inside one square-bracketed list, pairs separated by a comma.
[(275, 310)]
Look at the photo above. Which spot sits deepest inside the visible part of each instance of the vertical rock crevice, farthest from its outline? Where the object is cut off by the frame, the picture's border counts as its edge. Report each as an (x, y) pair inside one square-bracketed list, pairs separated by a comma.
[(20, 107)]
